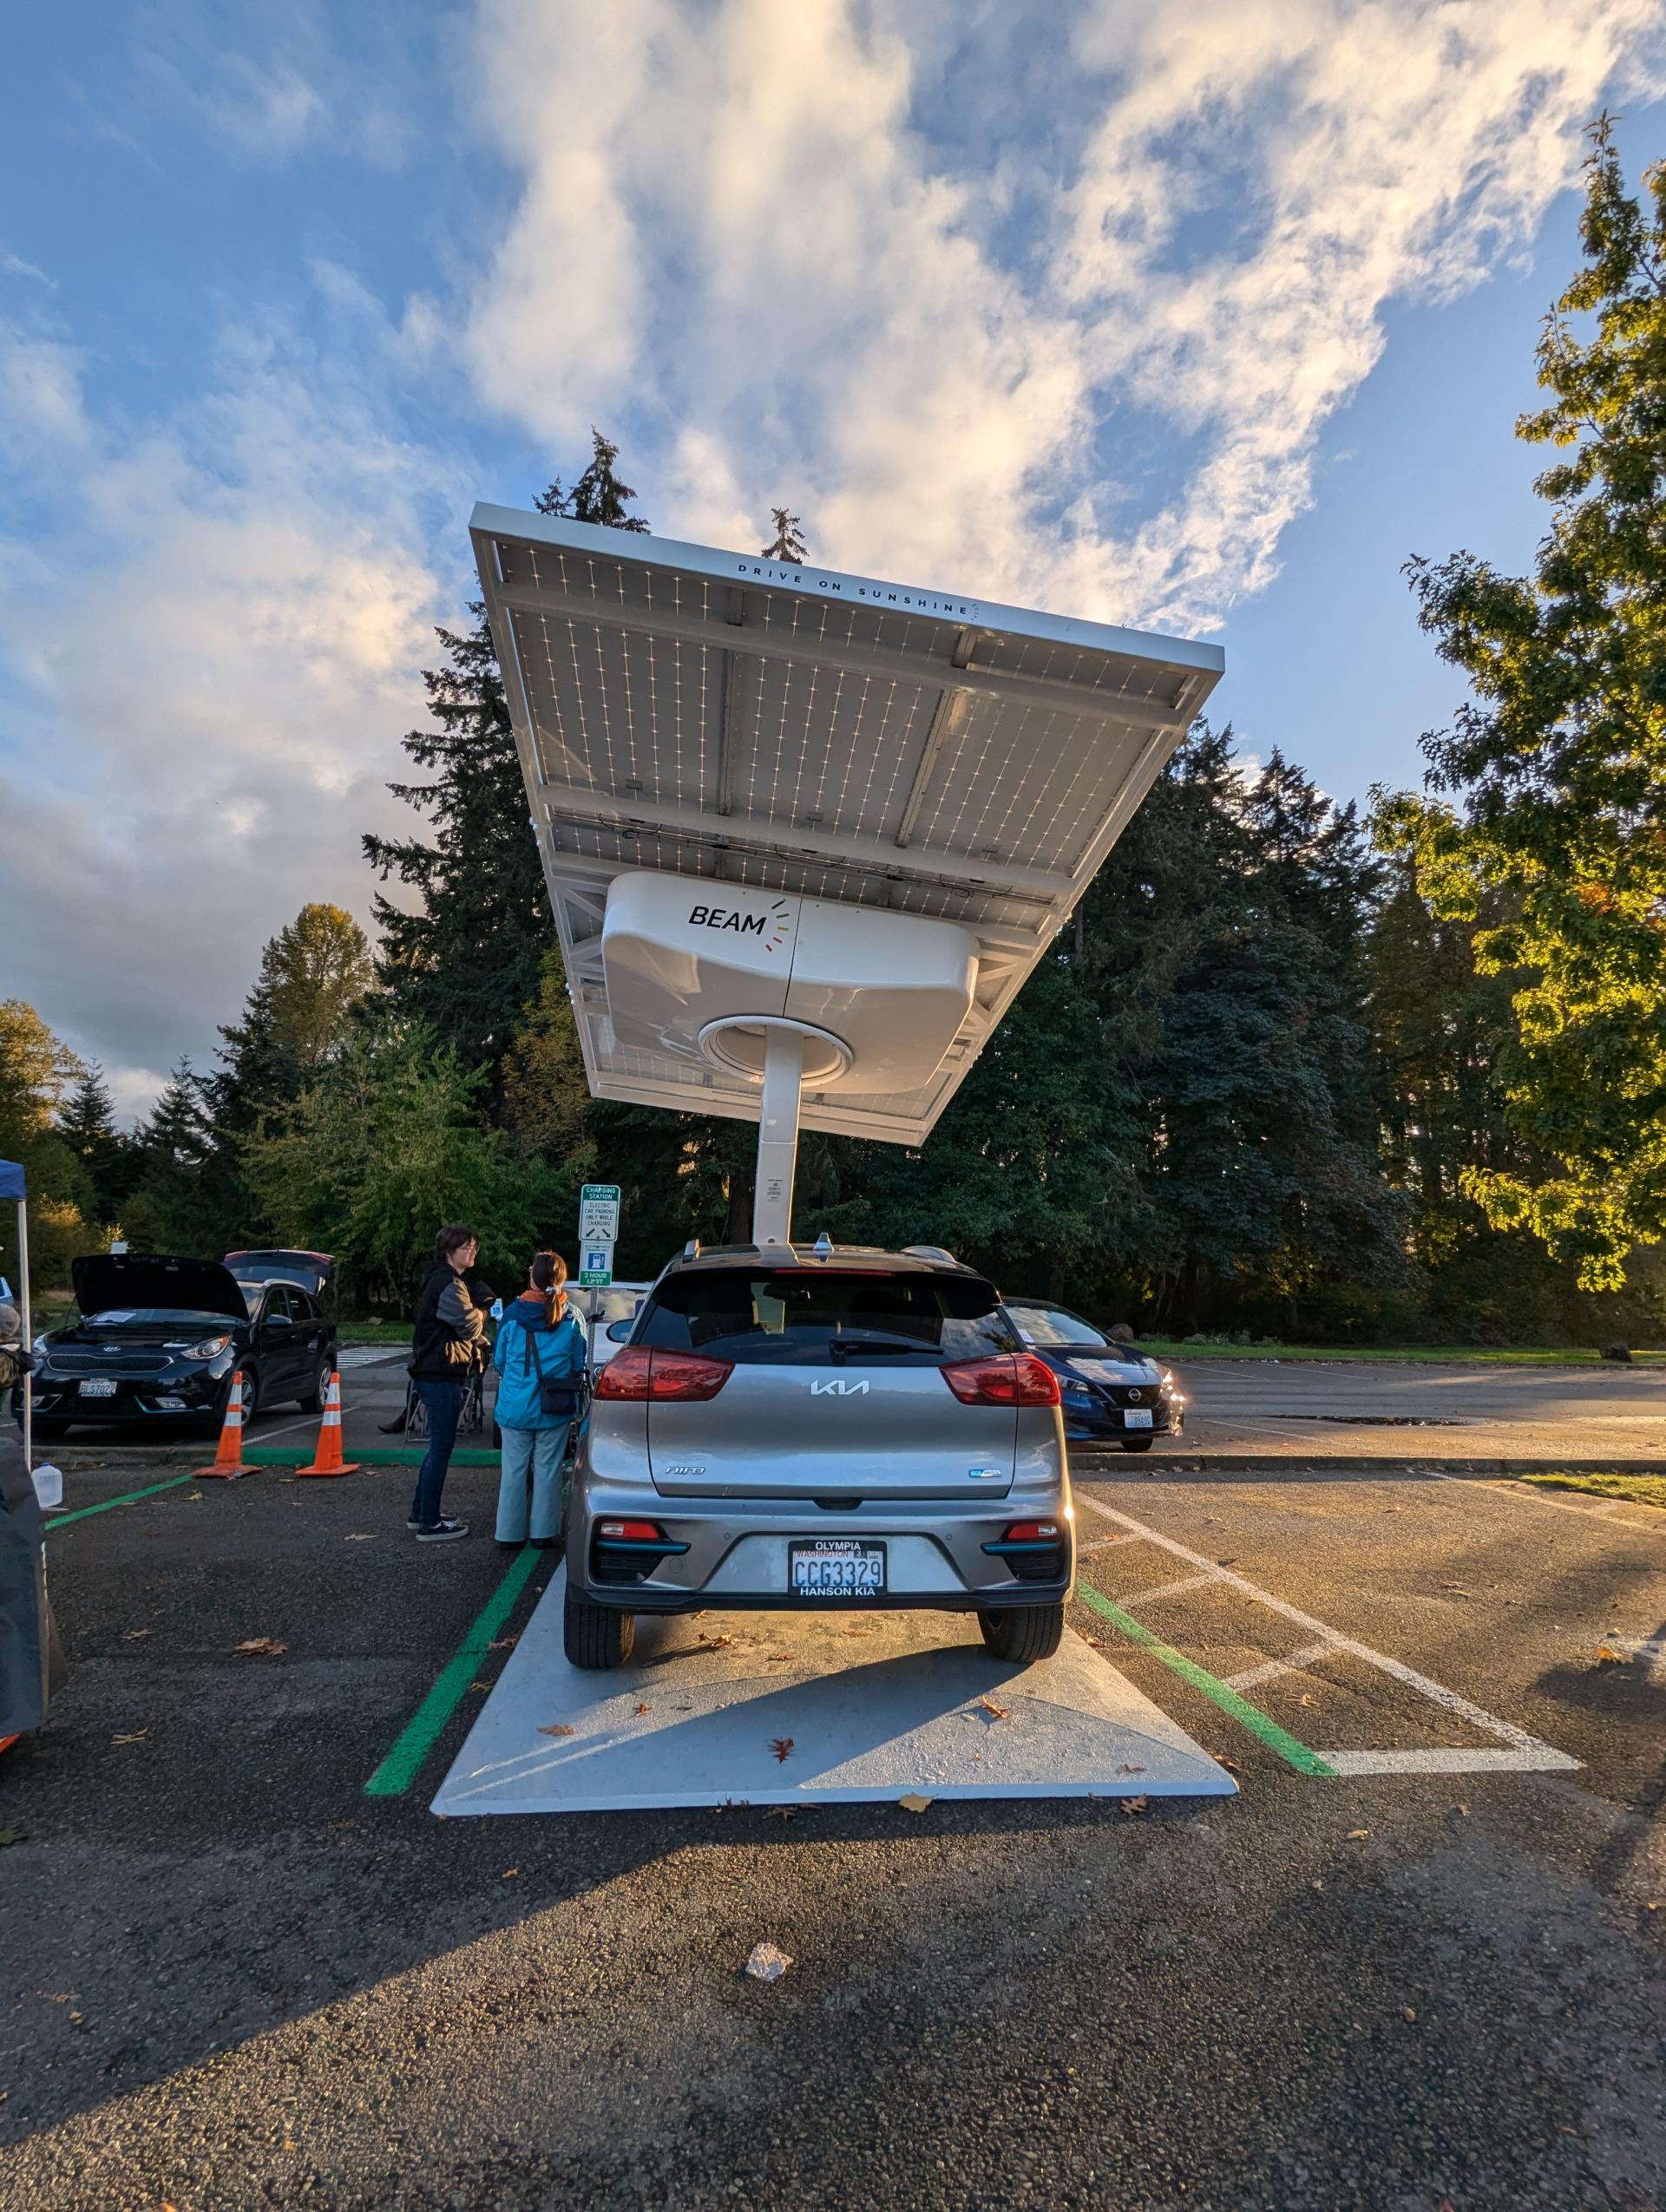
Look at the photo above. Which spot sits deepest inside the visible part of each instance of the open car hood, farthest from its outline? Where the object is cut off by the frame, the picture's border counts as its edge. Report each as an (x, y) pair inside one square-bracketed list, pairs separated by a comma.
[(105, 1281)]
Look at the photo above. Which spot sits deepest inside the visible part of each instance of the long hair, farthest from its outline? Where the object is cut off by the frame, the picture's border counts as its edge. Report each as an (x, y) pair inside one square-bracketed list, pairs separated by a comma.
[(548, 1273)]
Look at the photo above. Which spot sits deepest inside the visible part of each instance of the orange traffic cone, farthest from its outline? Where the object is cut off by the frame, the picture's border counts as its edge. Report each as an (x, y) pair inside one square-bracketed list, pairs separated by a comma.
[(229, 1460), (329, 1460)]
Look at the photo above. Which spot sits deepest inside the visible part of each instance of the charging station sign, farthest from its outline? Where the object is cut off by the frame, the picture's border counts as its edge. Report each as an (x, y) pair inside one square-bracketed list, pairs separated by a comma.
[(598, 1233)]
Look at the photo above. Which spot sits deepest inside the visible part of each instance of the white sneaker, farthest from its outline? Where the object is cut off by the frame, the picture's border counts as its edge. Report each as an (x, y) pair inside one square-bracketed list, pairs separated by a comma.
[(443, 1532)]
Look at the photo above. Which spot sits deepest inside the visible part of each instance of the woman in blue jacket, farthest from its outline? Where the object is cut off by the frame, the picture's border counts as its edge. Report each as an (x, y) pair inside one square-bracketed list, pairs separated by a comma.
[(538, 1341)]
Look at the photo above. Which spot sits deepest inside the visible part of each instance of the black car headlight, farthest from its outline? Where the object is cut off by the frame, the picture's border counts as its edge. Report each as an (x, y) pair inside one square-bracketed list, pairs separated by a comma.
[(209, 1348)]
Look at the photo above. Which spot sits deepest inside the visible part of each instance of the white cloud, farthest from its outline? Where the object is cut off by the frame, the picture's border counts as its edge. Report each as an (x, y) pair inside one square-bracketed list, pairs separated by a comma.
[(732, 225), (14, 266), (214, 660)]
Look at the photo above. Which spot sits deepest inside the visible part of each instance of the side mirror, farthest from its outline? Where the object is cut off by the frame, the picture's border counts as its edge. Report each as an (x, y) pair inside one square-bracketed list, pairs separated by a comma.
[(617, 1331)]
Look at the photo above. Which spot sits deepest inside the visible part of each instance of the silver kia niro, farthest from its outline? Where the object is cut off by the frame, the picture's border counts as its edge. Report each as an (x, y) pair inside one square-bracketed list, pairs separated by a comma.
[(789, 1429)]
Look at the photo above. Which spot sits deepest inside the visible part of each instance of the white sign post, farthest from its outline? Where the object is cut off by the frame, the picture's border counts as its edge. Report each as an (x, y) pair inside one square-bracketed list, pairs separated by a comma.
[(598, 1233)]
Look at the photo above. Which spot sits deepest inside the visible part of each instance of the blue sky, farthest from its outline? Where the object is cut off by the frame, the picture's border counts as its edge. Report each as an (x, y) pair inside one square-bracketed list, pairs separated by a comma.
[(1200, 315)]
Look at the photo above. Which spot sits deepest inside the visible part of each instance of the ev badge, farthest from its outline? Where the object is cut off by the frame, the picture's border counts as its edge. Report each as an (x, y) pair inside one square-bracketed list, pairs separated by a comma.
[(839, 1389)]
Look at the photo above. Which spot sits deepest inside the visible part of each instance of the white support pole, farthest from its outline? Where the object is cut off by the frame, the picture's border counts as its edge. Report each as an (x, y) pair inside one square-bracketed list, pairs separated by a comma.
[(24, 1317), (778, 1136)]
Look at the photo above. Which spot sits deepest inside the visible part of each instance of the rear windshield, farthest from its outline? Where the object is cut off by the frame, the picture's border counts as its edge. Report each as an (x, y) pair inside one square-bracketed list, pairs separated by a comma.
[(807, 1318), (1051, 1324)]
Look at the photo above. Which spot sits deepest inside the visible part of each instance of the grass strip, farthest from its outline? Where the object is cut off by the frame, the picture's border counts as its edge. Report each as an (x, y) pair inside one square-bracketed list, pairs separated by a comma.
[(1636, 1489), (421, 1731), (85, 1512), (1423, 1355), (1248, 1715)]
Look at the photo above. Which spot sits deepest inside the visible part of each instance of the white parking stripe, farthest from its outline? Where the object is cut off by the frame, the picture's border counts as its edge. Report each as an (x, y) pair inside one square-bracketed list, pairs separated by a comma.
[(1268, 1668), (1167, 1590), (1436, 1761), (1601, 1509), (1436, 1693)]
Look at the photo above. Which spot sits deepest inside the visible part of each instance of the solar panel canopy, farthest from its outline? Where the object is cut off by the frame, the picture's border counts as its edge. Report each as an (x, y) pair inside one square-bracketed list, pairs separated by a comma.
[(762, 728)]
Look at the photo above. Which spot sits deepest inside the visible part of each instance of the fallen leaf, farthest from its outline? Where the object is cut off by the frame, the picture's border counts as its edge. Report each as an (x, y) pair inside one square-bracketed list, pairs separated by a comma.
[(480, 1686), (133, 1635), (137, 1737), (781, 1812), (558, 1728), (1132, 1804), (641, 1708), (778, 1658), (11, 1836), (1093, 1643), (504, 1644), (766, 1962), (1462, 1810), (369, 1537), (782, 1746), (1606, 1658), (1406, 2012), (261, 1647), (715, 1643), (1231, 1765), (995, 1711), (1358, 1835), (1125, 1769), (1304, 1699), (510, 1873), (913, 1803)]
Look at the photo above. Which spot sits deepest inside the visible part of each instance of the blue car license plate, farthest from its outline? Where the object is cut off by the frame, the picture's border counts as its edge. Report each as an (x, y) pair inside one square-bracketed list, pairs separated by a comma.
[(834, 1567)]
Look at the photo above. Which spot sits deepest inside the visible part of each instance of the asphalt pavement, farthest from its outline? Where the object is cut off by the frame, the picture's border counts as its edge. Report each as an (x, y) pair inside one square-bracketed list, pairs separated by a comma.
[(234, 1977)]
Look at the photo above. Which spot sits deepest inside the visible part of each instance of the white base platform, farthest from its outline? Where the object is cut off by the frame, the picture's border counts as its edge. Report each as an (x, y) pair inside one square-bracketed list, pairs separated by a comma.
[(875, 1705)]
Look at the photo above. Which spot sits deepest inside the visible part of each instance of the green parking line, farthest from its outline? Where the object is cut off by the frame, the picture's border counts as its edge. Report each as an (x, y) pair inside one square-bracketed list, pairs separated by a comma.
[(421, 1731), (109, 1505), (1247, 1716)]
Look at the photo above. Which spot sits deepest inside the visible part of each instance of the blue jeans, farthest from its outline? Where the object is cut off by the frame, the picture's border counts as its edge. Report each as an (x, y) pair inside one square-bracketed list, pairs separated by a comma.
[(444, 1404), (535, 1453)]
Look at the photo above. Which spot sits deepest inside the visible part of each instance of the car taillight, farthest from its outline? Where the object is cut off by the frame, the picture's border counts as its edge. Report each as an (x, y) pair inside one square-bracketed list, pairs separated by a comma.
[(639, 1372), (630, 1532), (627, 1375), (1005, 1378), (1033, 1532)]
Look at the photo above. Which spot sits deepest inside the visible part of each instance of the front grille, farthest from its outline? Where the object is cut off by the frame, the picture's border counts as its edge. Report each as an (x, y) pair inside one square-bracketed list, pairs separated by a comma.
[(86, 1360)]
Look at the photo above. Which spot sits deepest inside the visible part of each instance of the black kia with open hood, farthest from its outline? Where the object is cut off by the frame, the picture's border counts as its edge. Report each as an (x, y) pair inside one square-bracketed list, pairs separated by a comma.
[(158, 1340)]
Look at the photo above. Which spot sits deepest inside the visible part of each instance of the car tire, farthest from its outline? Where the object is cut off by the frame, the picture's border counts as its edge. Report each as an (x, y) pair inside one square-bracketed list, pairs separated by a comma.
[(1023, 1634), (597, 1636), (1137, 1443), (313, 1402)]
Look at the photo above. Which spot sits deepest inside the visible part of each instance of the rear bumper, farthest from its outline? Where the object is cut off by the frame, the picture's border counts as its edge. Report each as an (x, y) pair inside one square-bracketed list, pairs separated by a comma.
[(733, 1551)]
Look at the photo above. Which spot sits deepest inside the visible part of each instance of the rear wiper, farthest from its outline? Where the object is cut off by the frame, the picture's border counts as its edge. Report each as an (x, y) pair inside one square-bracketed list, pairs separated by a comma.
[(842, 1347)]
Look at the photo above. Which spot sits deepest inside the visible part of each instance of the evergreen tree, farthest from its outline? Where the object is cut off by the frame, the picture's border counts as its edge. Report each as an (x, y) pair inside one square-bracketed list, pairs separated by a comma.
[(468, 957), (184, 1198), (789, 541), (1558, 763), (86, 1123)]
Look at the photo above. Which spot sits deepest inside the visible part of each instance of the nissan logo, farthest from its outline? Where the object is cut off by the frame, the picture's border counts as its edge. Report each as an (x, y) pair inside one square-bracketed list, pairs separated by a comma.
[(1133, 1398)]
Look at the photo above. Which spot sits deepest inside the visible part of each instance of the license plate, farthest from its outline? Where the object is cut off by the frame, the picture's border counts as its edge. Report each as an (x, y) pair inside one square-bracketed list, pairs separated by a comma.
[(836, 1566), (97, 1386), (1137, 1417)]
